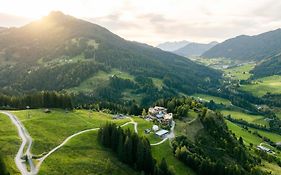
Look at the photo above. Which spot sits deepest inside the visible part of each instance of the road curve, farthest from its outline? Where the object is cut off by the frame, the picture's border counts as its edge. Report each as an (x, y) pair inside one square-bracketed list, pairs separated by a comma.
[(26, 139), (40, 161)]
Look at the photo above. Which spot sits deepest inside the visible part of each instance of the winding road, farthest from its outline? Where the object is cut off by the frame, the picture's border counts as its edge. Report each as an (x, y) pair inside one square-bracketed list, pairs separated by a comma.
[(23, 159), (26, 140)]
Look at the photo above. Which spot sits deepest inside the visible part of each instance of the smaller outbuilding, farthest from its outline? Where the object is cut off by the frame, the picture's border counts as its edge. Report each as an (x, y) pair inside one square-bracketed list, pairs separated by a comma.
[(162, 133), (118, 116), (47, 110)]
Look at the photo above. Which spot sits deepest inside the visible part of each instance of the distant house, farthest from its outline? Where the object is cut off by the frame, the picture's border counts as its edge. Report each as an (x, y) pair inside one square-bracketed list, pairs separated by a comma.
[(262, 148), (162, 133), (47, 110), (118, 116)]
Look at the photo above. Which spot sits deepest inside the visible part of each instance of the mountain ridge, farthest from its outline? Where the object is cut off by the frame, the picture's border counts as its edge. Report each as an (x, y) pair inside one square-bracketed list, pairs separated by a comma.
[(60, 52), (248, 48), (194, 49), (172, 45)]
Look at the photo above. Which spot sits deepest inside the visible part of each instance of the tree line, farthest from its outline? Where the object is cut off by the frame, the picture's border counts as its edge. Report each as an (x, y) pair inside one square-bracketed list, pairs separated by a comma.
[(132, 149), (43, 99)]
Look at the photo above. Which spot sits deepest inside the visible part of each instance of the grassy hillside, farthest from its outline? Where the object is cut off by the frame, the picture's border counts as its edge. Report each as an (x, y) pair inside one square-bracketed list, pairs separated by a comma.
[(60, 52), (9, 143), (83, 155), (260, 87), (257, 119), (49, 130), (239, 72), (208, 98)]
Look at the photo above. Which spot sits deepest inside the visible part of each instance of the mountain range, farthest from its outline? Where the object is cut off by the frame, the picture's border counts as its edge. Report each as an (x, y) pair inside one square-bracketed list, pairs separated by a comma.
[(62, 53), (248, 48), (172, 46), (194, 49)]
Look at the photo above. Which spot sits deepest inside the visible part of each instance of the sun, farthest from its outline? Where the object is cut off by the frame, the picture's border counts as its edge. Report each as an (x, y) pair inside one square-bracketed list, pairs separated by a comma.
[(32, 9)]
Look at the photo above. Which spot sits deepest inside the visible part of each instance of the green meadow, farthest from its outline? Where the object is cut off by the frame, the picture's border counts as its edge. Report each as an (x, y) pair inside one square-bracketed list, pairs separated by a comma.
[(83, 155), (239, 72), (50, 129), (257, 119), (260, 87), (208, 98)]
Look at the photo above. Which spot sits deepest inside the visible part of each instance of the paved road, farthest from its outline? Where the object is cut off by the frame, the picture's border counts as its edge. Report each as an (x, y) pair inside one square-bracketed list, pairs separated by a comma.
[(26, 139)]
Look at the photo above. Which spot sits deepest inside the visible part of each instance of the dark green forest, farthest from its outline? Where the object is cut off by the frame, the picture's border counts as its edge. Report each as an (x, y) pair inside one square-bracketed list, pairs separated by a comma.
[(132, 149)]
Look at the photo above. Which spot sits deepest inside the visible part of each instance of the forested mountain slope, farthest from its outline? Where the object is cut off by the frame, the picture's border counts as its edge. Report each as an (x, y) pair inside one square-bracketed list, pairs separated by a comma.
[(59, 52), (247, 48), (268, 67)]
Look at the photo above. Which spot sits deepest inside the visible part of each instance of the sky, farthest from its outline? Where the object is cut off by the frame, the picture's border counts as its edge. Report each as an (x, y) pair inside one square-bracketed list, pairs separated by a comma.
[(157, 21)]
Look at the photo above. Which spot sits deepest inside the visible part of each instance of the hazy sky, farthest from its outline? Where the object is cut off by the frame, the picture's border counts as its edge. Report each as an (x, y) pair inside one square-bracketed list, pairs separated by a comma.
[(155, 21)]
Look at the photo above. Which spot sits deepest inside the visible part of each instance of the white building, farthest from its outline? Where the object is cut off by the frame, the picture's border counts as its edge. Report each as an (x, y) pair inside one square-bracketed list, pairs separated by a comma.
[(162, 133)]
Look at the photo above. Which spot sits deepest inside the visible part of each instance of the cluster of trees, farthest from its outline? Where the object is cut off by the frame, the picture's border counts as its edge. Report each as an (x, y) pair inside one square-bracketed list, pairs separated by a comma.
[(132, 150), (3, 169), (180, 106), (36, 100), (216, 150)]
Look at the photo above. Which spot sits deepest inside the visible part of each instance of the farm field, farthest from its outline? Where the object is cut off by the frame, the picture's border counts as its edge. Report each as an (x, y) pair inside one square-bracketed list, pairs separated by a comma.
[(260, 87), (239, 72), (257, 119), (208, 98)]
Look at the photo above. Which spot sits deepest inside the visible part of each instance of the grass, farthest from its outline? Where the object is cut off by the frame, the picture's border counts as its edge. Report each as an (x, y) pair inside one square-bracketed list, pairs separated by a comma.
[(240, 132), (188, 129), (165, 151), (98, 80), (239, 72), (9, 143), (83, 155), (208, 98), (271, 167), (49, 130), (256, 119), (272, 136), (158, 82), (142, 125), (260, 87)]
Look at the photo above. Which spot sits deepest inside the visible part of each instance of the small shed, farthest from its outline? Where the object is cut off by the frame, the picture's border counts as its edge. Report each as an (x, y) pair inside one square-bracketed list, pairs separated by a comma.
[(47, 110)]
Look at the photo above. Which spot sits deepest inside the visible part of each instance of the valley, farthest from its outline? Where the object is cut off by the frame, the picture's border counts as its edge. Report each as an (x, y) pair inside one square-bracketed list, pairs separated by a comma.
[(77, 99)]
